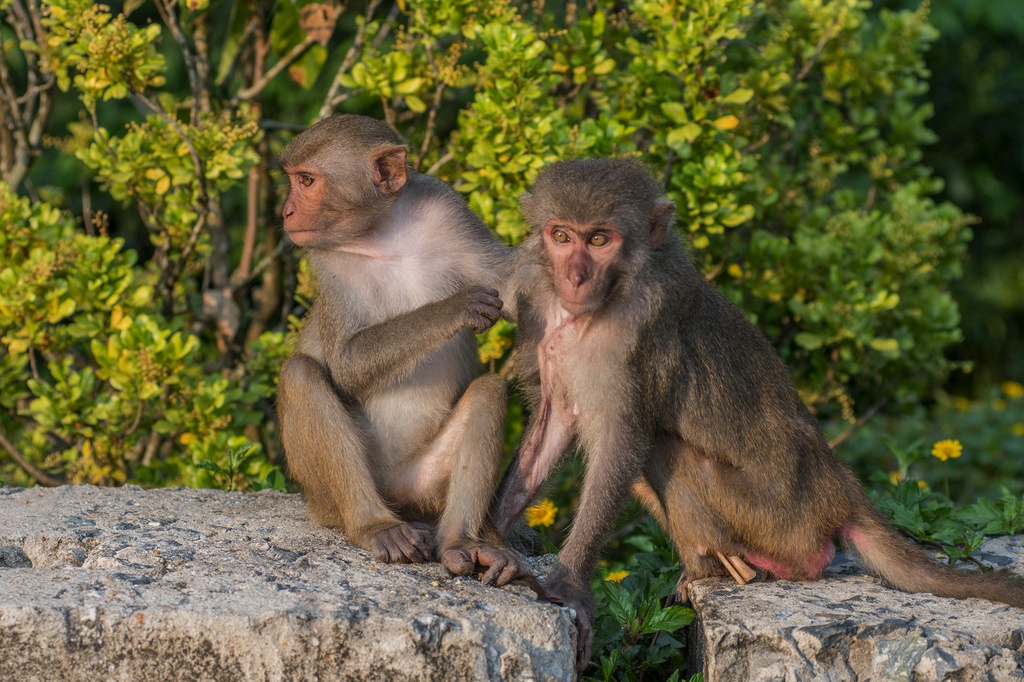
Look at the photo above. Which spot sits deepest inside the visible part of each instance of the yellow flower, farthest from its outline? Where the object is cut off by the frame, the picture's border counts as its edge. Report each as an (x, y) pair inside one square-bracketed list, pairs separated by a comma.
[(616, 576), (1018, 429), (922, 485), (947, 449), (1012, 389), (961, 403), (894, 477), (735, 270), (541, 514)]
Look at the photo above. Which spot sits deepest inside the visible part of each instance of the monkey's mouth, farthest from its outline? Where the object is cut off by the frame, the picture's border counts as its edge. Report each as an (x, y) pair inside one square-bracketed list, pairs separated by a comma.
[(301, 237), (576, 308)]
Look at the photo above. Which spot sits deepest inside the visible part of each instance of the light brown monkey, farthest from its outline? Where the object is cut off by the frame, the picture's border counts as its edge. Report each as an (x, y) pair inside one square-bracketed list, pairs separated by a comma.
[(386, 427), (669, 391)]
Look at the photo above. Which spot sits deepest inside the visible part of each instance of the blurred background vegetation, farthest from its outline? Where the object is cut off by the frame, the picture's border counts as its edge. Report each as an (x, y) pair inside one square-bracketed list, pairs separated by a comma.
[(852, 175)]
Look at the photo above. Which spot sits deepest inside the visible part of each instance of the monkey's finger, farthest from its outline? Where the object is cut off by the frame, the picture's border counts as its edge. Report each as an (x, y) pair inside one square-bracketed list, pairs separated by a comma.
[(458, 562), (493, 573), (512, 571), (415, 552), (584, 642), (484, 323), (478, 288)]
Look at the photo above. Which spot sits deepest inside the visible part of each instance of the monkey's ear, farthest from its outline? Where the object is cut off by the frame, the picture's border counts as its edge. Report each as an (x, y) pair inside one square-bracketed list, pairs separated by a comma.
[(388, 169), (663, 215)]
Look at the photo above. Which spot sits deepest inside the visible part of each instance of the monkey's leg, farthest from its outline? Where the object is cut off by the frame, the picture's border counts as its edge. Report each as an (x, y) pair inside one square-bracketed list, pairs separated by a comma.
[(474, 435), (672, 491), (329, 454)]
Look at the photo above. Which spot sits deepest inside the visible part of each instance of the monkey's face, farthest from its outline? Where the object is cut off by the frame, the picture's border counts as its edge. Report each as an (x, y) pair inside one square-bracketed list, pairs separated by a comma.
[(305, 190), (583, 259)]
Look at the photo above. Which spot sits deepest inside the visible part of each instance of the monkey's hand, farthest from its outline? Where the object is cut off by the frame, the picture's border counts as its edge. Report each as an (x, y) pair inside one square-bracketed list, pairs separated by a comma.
[(405, 543), (480, 307), (501, 565), (565, 589)]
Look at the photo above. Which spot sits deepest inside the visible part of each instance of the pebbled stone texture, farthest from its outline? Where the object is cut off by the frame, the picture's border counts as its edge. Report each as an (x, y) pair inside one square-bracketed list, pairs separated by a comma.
[(848, 626), (181, 584)]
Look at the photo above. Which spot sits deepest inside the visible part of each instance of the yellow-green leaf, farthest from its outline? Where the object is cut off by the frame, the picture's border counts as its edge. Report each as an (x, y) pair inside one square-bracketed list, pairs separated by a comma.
[(740, 96), (889, 347), (726, 122), (415, 104), (604, 66), (409, 87), (687, 133)]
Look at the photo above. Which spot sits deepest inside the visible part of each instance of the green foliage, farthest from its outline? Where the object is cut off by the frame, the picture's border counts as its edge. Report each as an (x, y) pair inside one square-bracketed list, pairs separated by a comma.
[(790, 134), (977, 89), (95, 387), (990, 429), (102, 55), (638, 633)]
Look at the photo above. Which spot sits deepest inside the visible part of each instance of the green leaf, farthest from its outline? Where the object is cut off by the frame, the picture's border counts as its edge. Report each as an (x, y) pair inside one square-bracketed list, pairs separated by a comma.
[(687, 133), (604, 66), (809, 341), (668, 619), (739, 96), (409, 87), (675, 111), (415, 104), (889, 347)]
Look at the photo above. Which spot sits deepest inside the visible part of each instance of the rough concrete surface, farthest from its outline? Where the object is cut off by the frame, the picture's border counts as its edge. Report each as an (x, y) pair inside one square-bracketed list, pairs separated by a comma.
[(848, 626), (132, 584)]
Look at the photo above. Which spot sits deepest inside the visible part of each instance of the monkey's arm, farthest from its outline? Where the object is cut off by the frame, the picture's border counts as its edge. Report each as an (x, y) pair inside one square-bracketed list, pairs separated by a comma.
[(374, 356), (615, 453)]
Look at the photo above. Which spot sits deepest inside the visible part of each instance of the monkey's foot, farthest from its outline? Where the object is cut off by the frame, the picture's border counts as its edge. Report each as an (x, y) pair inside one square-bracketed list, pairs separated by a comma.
[(405, 543), (499, 565), (738, 569), (562, 589)]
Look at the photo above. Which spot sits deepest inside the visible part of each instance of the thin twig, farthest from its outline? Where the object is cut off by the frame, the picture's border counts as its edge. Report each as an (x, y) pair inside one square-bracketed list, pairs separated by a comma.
[(261, 266), (137, 421), (246, 94), (825, 37), (440, 162), (348, 62), (166, 10), (871, 411), (42, 477), (247, 33)]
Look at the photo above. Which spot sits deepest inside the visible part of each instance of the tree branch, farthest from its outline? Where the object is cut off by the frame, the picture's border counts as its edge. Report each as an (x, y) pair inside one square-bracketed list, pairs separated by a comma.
[(349, 61), (246, 94), (42, 477)]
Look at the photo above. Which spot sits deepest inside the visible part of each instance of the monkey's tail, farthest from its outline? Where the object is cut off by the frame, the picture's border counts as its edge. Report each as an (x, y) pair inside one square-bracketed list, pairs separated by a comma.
[(902, 564)]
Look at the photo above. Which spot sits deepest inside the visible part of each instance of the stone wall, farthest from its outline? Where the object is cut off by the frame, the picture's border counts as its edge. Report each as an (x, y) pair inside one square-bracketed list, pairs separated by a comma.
[(130, 584)]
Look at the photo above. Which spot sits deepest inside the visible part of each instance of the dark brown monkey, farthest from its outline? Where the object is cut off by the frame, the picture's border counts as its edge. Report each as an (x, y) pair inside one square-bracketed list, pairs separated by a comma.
[(385, 425), (671, 393)]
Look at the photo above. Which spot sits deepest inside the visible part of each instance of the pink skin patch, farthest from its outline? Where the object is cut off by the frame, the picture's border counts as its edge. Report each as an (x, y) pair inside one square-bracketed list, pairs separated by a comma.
[(811, 567), (856, 537)]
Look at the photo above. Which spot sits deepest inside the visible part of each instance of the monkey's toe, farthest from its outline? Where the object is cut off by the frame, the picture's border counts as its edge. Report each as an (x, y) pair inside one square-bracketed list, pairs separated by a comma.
[(458, 561), (500, 565), (405, 543)]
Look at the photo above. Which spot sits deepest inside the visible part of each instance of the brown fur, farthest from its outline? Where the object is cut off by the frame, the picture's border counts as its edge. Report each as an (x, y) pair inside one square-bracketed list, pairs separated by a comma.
[(674, 395), (386, 427)]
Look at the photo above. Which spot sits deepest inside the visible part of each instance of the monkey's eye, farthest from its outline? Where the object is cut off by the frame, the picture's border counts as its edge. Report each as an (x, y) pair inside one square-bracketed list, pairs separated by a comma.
[(559, 236), (306, 180), (598, 239)]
